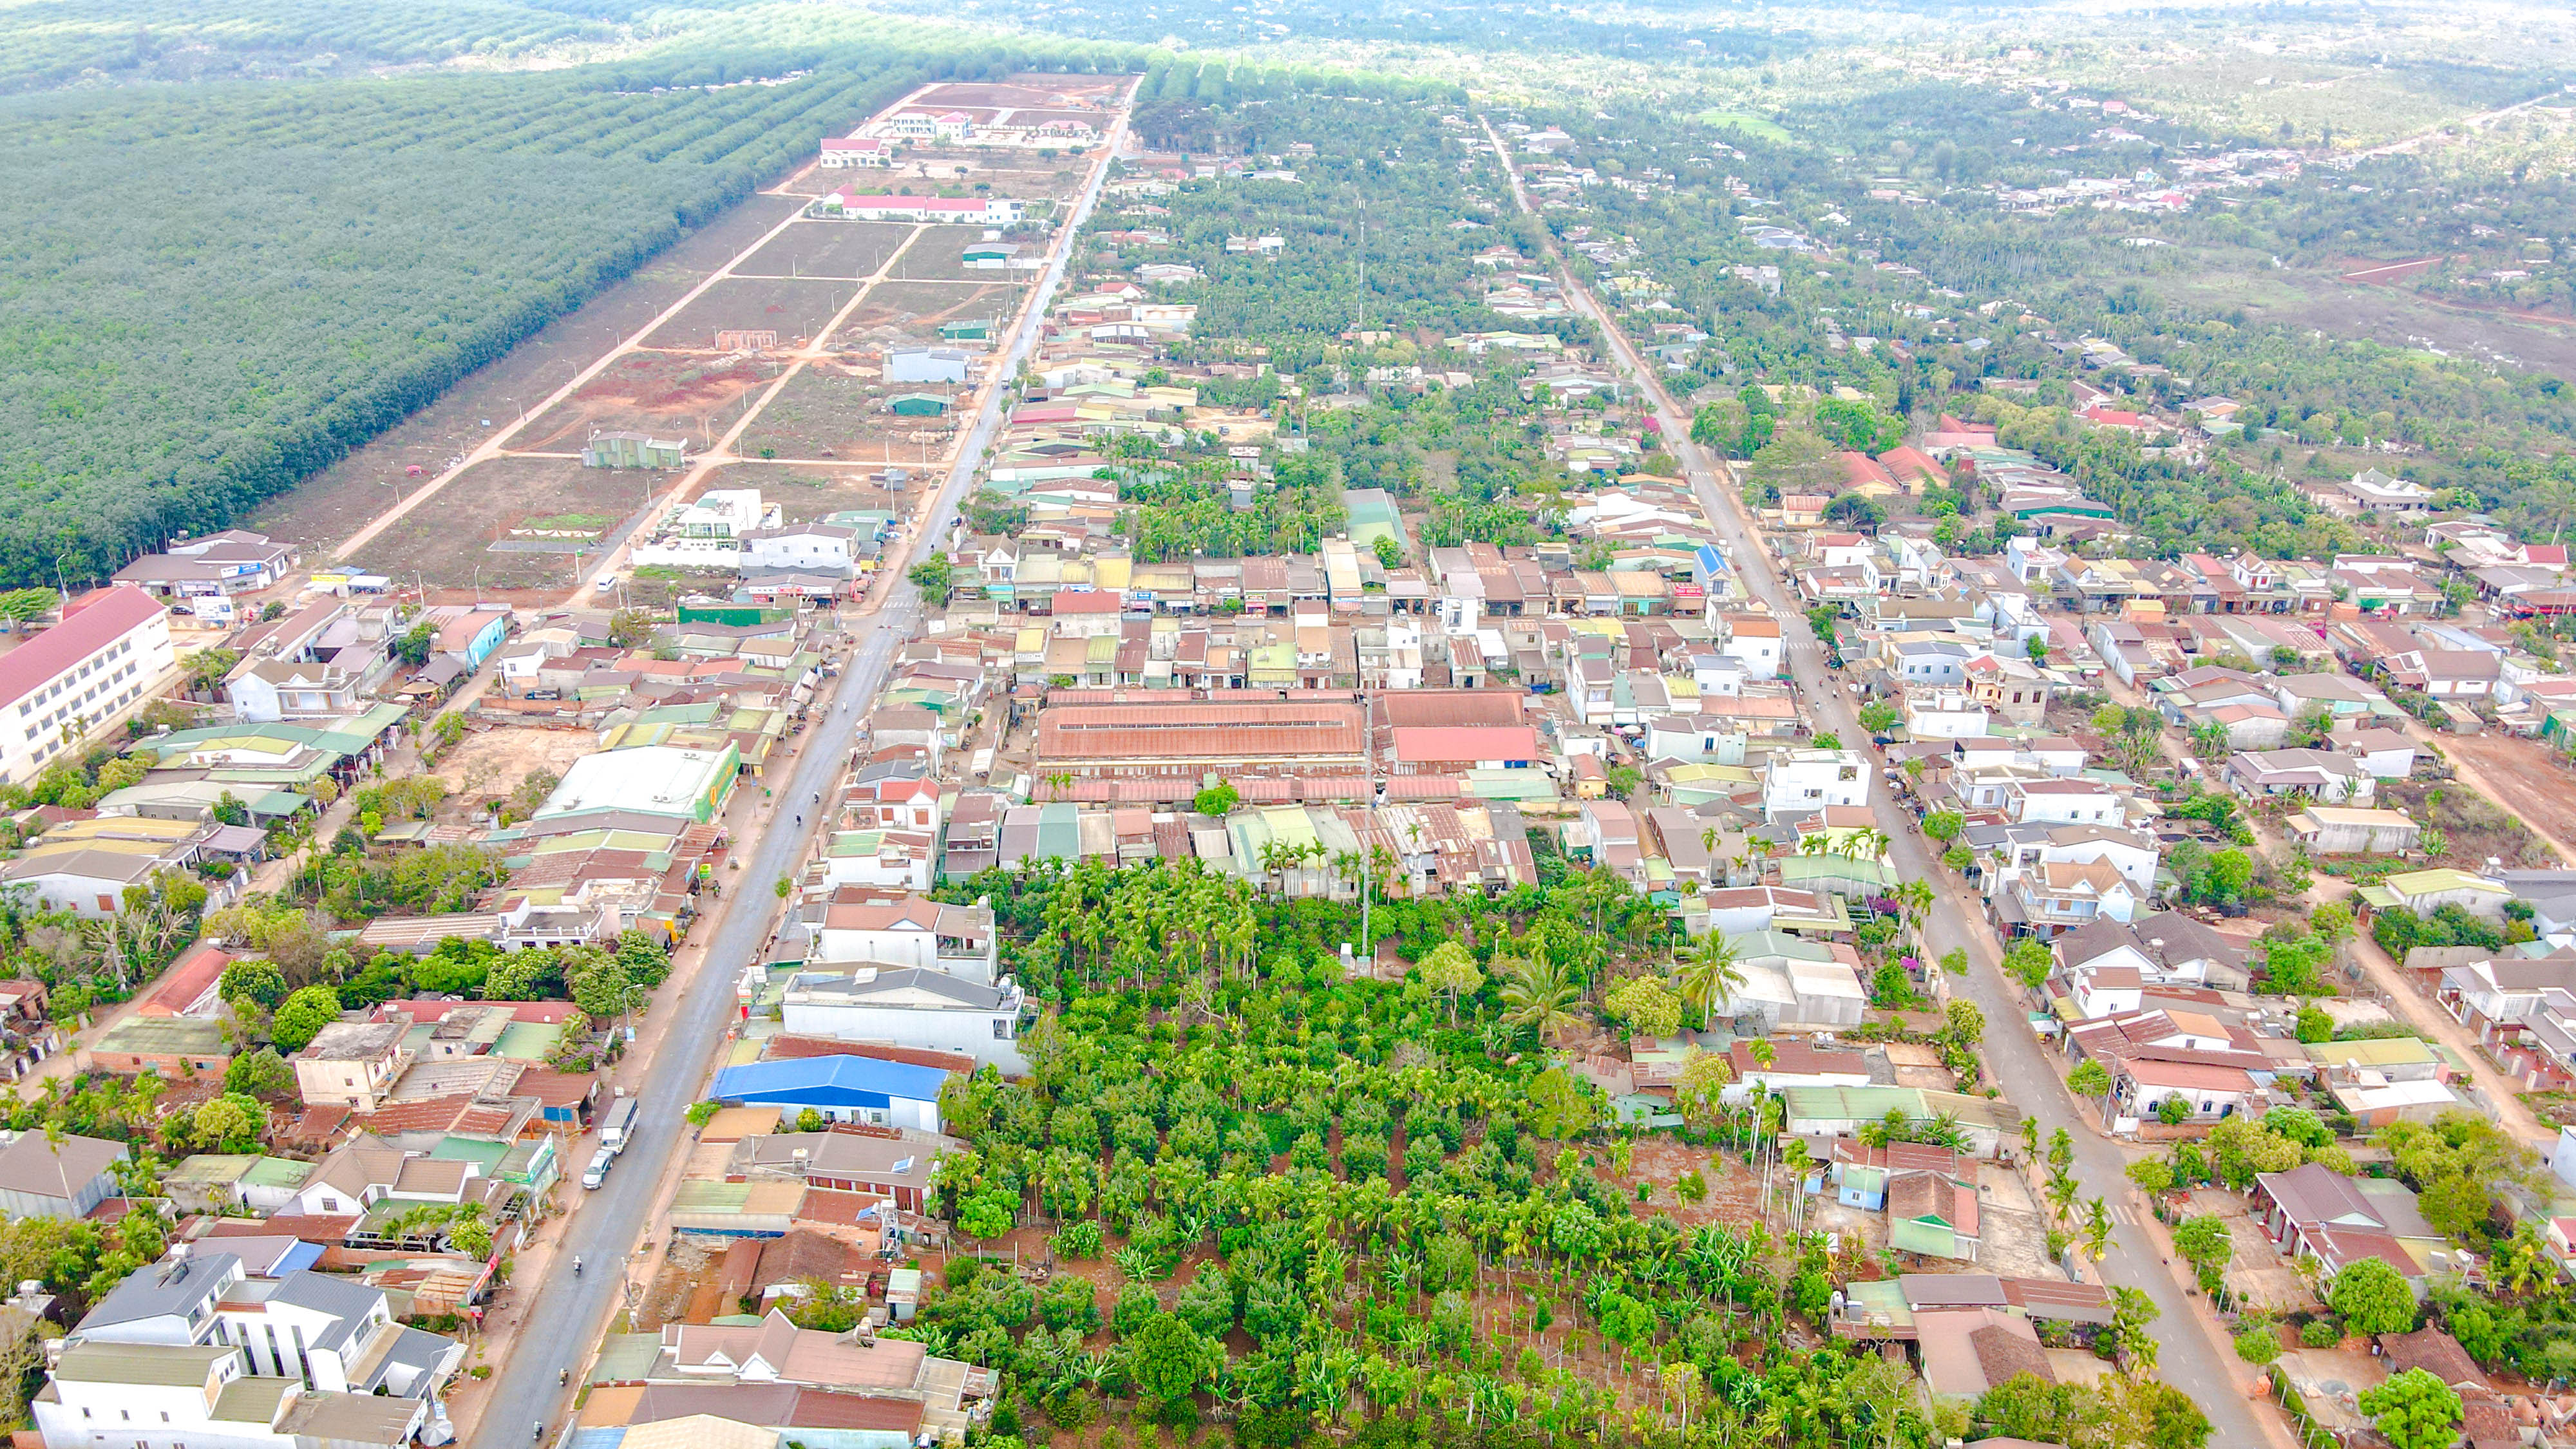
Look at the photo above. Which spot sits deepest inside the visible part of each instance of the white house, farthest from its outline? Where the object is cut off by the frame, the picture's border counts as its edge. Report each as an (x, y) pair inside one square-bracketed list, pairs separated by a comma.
[(927, 364), (1796, 780), (1755, 639), (2062, 802), (204, 1396), (271, 691), (825, 547), (869, 152), (109, 652), (878, 206), (911, 1006), (1945, 715), (913, 931)]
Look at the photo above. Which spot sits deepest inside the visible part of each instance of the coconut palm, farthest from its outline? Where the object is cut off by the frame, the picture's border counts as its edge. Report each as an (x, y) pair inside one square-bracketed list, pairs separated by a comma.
[(1710, 976), (1541, 995)]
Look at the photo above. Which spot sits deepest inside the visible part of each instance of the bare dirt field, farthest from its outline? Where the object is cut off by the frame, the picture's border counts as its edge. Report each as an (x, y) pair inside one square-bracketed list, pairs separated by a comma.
[(342, 498), (795, 308), (1026, 175), (804, 494), (844, 249), (824, 412), (2533, 778), (492, 762), (940, 256), (917, 308), (2394, 316), (1043, 92), (451, 545), (656, 393)]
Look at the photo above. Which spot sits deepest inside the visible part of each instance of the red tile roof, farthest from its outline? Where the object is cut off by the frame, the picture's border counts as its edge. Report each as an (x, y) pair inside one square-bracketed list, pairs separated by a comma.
[(90, 623)]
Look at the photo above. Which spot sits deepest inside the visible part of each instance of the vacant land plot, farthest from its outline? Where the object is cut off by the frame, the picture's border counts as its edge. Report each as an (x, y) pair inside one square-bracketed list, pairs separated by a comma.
[(451, 545), (2393, 316), (825, 413), (2534, 787), (844, 249), (896, 310), (653, 393), (1026, 175), (344, 497), (806, 493), (794, 309), (940, 256), (1044, 92), (490, 762)]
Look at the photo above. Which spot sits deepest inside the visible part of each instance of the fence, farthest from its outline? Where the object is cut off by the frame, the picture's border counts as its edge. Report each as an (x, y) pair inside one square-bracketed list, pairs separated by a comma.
[(2311, 1434)]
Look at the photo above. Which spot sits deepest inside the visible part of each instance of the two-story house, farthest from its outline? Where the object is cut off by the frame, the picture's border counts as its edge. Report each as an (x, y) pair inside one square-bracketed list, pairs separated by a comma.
[(353, 1063)]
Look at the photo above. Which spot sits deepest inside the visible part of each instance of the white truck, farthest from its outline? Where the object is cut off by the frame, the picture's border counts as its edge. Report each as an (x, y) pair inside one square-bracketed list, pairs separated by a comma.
[(617, 1124)]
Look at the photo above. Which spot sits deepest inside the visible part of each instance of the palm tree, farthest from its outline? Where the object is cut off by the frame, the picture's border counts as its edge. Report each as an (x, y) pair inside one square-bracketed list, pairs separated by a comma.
[(1710, 976), (1916, 897), (1538, 994)]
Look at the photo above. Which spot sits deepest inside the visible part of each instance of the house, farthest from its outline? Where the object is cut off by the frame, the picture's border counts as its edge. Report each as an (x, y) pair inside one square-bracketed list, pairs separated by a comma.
[(200, 576), (40, 1178), (368, 1170), (2322, 775), (2372, 491), (1810, 780), (843, 1160), (2507, 1000), (2382, 754), (2343, 830), (468, 636), (2063, 802), (878, 206), (859, 1089), (2315, 1212), (2165, 948), (911, 931), (2208, 1091), (353, 1064), (827, 547), (271, 690), (206, 1396), (1843, 1111), (927, 364), (1932, 1215), (843, 152), (913, 1006), (2425, 891), (2058, 896), (109, 653)]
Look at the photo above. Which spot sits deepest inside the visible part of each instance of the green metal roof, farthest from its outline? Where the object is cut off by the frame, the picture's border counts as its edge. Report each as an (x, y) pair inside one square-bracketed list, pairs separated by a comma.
[(528, 1041)]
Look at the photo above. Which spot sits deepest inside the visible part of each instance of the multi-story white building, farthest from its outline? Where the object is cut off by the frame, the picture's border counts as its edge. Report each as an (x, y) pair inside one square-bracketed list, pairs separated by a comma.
[(58, 687)]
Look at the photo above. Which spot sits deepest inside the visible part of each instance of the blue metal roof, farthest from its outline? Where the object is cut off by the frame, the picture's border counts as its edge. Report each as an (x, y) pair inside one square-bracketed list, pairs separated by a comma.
[(1711, 560), (828, 1081)]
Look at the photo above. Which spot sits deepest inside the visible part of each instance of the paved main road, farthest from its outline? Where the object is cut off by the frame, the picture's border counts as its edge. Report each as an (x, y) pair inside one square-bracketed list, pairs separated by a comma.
[(568, 1313), (2187, 1358)]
